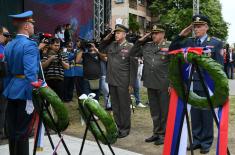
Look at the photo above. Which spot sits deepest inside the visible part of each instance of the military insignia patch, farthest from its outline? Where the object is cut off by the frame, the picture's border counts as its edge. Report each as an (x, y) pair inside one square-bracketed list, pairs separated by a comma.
[(198, 19), (154, 27), (210, 46), (164, 49)]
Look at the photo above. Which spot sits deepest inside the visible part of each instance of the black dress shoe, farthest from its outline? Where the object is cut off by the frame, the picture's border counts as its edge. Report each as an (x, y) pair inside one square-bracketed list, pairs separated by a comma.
[(153, 138), (108, 109), (204, 151), (122, 135), (198, 146), (160, 141)]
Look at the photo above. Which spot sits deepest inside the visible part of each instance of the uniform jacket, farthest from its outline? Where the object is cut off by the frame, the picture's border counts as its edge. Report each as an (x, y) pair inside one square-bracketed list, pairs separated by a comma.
[(121, 68), (22, 57), (156, 61), (211, 42)]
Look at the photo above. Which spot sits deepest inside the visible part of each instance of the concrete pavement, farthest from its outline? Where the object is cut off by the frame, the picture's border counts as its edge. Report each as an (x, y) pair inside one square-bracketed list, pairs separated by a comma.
[(231, 87), (74, 144)]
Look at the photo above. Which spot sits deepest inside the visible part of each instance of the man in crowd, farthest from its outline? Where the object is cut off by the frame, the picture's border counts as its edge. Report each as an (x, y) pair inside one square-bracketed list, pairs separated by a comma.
[(3, 41), (22, 57), (155, 78), (137, 86), (201, 119), (91, 70), (68, 33), (121, 74), (54, 63), (104, 85), (69, 77), (230, 57), (78, 69)]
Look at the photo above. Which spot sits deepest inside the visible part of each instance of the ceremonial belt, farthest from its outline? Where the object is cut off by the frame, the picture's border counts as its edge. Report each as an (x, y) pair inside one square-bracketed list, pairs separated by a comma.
[(79, 65), (20, 76)]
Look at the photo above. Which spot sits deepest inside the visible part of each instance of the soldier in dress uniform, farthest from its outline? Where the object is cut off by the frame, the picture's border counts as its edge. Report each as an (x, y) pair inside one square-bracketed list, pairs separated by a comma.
[(201, 119), (155, 78), (22, 58), (121, 74)]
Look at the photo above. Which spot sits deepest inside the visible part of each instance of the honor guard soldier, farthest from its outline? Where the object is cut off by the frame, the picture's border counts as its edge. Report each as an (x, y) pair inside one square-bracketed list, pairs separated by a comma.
[(121, 74), (3, 104), (22, 58), (201, 119), (155, 78)]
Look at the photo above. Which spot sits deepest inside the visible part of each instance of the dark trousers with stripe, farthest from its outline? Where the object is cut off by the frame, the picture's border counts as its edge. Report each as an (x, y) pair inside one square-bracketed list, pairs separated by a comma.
[(19, 125), (202, 125), (3, 106), (159, 103), (120, 99)]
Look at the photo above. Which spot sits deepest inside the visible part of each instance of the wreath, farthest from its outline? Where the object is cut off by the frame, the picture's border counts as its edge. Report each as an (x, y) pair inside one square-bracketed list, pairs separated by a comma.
[(60, 111), (221, 90), (111, 131)]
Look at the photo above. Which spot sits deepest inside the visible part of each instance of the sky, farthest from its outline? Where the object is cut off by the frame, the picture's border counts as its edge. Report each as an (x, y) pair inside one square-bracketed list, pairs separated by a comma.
[(228, 11)]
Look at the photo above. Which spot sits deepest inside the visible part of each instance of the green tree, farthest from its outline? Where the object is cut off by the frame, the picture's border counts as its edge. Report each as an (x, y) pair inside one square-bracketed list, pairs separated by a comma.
[(177, 14), (133, 24)]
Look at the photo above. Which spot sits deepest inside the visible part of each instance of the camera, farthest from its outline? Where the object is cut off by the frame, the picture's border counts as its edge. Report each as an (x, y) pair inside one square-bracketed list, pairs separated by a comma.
[(7, 35), (44, 37), (60, 58), (88, 43)]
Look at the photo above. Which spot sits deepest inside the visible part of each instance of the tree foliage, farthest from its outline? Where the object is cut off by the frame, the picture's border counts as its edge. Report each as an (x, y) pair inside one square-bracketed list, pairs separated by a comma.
[(177, 14), (133, 24)]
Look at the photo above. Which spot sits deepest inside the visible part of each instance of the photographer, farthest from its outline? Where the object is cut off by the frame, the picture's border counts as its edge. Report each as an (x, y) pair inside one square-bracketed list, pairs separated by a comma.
[(54, 63), (92, 70)]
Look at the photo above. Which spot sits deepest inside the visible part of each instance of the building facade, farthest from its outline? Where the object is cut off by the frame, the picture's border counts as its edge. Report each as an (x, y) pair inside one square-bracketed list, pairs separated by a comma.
[(137, 9)]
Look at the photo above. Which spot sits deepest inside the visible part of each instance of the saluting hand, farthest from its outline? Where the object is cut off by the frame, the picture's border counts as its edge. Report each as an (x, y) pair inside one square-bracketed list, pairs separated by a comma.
[(109, 36), (145, 36), (185, 32)]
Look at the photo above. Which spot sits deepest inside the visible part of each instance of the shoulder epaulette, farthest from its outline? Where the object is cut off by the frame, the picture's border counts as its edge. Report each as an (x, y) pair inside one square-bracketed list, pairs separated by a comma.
[(208, 39), (130, 44), (216, 38), (168, 42), (191, 37)]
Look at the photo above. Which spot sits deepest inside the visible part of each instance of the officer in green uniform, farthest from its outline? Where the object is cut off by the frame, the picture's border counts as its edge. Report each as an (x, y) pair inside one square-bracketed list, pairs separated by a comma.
[(155, 78), (121, 74)]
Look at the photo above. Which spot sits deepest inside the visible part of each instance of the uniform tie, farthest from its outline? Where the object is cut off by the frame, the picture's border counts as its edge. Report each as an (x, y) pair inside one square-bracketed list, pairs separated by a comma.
[(198, 42)]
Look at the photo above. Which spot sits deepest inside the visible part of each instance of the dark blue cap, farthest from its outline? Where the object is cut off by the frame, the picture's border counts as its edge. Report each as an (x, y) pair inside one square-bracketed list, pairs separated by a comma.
[(201, 19)]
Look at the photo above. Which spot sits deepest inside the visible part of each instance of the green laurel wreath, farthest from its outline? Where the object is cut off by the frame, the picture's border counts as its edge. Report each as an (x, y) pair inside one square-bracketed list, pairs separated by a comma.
[(215, 71), (60, 111), (110, 129)]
